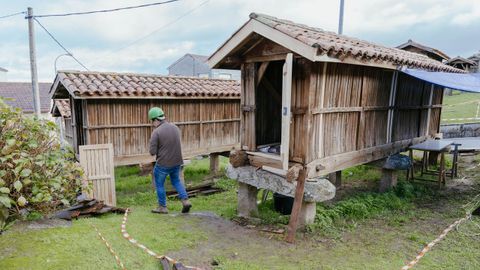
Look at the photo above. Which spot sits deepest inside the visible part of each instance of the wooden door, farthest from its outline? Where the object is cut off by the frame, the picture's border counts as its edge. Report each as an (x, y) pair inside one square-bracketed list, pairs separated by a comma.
[(97, 162)]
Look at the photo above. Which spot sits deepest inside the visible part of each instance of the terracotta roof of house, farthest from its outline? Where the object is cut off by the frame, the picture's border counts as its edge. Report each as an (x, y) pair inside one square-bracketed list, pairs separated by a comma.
[(340, 46), (110, 84), (61, 107), (412, 43), (460, 59), (21, 93), (345, 48)]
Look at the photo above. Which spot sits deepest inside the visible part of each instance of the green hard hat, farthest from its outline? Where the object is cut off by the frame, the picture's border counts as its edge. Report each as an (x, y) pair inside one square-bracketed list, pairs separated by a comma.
[(155, 113)]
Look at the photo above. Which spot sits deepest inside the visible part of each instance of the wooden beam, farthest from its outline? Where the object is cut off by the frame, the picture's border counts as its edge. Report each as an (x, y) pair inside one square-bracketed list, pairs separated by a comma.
[(266, 58), (274, 170), (261, 71), (326, 165), (176, 123), (286, 106), (297, 206), (265, 155)]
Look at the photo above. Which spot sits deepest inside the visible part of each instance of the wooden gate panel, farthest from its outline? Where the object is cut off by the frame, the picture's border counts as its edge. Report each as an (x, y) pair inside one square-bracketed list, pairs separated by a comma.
[(97, 162)]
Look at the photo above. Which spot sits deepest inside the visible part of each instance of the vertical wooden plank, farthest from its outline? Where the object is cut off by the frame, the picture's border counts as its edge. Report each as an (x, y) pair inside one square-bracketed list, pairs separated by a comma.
[(393, 90), (430, 99), (361, 121), (321, 145), (286, 109)]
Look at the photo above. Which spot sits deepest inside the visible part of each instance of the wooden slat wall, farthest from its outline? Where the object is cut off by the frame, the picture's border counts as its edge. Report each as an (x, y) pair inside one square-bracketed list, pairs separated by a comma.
[(437, 99), (124, 123), (248, 84), (411, 92), (97, 162), (300, 109), (375, 93), (351, 112)]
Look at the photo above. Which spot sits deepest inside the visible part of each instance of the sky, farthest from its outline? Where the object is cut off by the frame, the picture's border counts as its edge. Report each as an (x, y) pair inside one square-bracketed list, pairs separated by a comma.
[(148, 40)]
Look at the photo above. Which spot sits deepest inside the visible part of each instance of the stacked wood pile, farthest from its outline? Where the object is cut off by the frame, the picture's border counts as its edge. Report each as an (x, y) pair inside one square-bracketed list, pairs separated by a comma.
[(87, 208)]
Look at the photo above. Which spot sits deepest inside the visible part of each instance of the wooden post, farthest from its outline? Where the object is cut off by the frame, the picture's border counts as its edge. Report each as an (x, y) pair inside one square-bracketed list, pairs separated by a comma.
[(286, 110), (391, 104), (297, 205), (214, 164), (441, 173)]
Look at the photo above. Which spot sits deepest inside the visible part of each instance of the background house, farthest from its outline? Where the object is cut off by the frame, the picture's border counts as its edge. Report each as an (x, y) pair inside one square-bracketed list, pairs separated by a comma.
[(21, 96), (463, 64), (194, 65), (416, 47)]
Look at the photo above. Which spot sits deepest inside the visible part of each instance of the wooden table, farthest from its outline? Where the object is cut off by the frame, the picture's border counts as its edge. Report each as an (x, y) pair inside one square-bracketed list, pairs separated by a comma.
[(438, 146)]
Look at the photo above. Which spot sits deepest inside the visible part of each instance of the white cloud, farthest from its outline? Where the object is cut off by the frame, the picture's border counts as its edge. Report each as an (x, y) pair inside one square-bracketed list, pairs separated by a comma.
[(93, 38)]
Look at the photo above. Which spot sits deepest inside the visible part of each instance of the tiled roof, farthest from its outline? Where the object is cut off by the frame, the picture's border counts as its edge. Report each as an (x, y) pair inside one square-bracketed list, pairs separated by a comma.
[(109, 84), (460, 59), (412, 43), (63, 107), (21, 93), (341, 46)]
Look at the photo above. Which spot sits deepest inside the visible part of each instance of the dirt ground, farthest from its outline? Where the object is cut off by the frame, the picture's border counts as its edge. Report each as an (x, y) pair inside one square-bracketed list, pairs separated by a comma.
[(378, 243)]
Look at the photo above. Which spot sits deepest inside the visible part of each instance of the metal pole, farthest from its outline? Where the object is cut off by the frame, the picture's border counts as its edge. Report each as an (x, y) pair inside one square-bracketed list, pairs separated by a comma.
[(33, 62), (340, 18)]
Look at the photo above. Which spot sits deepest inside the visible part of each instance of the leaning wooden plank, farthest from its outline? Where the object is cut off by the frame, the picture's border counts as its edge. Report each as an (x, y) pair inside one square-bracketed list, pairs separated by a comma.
[(297, 207), (286, 105)]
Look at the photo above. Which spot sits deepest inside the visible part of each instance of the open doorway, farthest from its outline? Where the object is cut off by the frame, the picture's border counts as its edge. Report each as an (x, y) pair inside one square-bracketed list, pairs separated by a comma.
[(268, 114)]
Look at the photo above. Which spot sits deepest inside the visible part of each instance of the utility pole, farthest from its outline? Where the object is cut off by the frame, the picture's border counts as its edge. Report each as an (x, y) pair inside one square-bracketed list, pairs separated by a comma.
[(340, 18), (33, 62)]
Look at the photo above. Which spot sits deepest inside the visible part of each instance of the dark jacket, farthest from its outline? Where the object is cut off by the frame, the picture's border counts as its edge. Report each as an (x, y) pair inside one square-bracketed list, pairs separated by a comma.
[(165, 144)]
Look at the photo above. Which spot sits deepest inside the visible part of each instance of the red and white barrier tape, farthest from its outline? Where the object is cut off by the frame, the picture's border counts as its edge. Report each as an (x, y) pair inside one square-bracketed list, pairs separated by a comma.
[(427, 248), (143, 247), (109, 247)]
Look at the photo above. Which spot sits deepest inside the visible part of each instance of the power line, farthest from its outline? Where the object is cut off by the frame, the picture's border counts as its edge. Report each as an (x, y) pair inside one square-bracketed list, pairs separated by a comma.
[(105, 10), (161, 27), (11, 15), (59, 44)]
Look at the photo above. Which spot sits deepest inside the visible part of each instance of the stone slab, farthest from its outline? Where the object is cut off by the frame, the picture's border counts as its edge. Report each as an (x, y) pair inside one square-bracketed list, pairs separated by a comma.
[(316, 189)]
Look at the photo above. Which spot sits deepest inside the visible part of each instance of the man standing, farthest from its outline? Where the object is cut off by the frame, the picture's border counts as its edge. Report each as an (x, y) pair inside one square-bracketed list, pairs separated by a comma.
[(166, 146)]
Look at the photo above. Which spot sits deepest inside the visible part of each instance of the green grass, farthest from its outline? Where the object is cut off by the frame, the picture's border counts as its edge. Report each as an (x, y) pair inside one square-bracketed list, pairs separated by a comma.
[(460, 105), (365, 230)]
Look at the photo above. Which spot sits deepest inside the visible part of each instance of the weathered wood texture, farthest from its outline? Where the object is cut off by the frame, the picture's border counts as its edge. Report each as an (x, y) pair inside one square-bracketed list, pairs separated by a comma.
[(97, 162), (339, 109), (206, 125)]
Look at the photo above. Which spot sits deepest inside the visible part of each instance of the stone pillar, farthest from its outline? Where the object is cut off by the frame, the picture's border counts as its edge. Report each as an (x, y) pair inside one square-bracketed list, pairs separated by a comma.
[(247, 200), (336, 178), (307, 213), (388, 180), (214, 164)]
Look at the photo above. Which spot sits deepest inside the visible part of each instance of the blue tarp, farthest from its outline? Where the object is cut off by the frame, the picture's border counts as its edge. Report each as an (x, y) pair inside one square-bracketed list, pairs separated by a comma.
[(469, 82)]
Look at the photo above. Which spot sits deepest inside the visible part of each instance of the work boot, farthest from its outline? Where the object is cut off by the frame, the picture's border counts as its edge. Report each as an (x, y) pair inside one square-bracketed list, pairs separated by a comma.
[(186, 206), (160, 210)]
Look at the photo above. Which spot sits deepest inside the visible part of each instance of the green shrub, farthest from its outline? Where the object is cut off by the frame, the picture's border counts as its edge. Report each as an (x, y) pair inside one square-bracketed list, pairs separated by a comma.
[(35, 173)]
